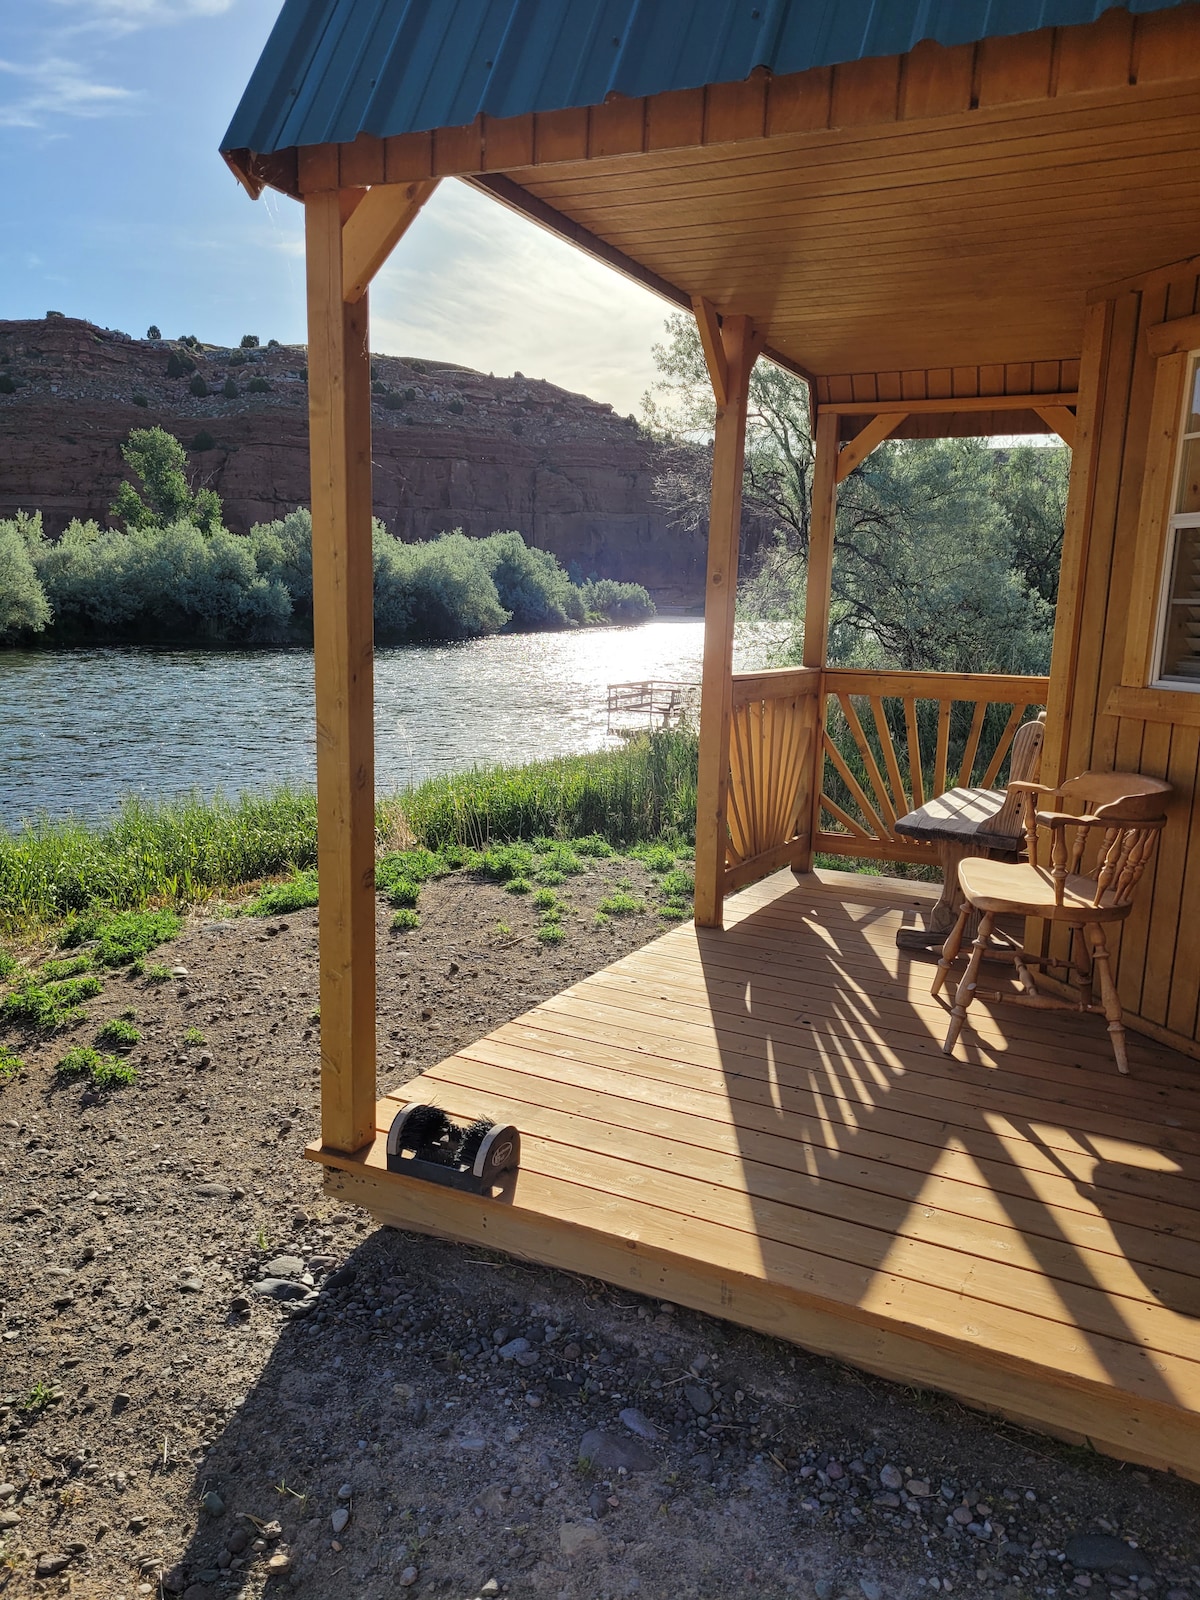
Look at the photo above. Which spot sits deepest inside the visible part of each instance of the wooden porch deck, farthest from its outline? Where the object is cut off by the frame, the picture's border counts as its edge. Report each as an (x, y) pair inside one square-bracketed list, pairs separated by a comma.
[(759, 1123)]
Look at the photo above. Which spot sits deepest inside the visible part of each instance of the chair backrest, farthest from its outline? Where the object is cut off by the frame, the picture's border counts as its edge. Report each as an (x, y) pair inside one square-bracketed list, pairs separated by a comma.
[(1025, 765), (1128, 807)]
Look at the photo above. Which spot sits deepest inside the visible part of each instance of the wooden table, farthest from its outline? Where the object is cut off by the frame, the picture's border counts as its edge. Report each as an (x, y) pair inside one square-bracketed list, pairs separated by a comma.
[(957, 825)]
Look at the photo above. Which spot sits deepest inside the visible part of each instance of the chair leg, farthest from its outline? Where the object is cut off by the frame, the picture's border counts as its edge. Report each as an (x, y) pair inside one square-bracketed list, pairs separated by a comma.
[(1108, 993), (966, 989), (950, 949)]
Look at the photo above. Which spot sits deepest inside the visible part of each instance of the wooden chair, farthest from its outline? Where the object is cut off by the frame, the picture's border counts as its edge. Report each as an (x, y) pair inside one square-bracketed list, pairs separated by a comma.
[(971, 822), (1128, 808)]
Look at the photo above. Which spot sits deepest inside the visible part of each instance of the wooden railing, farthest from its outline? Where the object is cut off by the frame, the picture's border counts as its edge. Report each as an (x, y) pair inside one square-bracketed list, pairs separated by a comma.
[(663, 702), (772, 748), (894, 740)]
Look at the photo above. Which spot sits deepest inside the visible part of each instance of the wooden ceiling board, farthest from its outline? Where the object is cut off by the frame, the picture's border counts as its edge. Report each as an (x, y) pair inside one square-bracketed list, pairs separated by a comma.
[(970, 243)]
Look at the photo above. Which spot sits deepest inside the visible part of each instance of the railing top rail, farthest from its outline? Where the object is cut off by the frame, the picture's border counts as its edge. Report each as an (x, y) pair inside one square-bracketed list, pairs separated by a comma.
[(775, 683), (1004, 688)]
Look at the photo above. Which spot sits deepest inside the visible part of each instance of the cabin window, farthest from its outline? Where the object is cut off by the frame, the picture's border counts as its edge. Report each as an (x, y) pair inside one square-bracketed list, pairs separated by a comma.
[(1177, 653)]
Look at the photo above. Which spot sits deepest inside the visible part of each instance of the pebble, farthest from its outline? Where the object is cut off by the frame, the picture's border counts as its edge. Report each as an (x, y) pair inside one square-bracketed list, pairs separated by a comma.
[(51, 1566), (237, 1541), (891, 1477), (280, 1289), (825, 1588), (609, 1452), (699, 1399), (283, 1267), (872, 1590), (1100, 1552), (512, 1349), (339, 1519), (8, 1491), (278, 1562), (213, 1503), (9, 1519), (639, 1424), (408, 1577), (190, 1281), (492, 1586), (346, 1492), (918, 1487)]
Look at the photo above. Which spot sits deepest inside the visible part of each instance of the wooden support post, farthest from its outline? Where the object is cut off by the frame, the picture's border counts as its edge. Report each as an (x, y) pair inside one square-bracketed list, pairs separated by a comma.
[(339, 389), (817, 599), (739, 349), (860, 447)]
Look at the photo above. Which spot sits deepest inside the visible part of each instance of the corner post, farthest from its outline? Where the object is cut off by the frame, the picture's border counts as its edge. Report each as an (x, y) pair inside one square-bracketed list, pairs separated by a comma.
[(730, 365), (817, 600), (339, 389)]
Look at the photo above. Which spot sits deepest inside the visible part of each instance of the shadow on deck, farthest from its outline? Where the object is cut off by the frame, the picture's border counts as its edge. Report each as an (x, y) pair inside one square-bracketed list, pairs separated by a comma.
[(759, 1123)]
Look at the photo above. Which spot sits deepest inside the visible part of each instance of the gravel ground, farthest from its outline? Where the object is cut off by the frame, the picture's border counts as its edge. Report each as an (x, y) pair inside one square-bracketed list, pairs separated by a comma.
[(215, 1382)]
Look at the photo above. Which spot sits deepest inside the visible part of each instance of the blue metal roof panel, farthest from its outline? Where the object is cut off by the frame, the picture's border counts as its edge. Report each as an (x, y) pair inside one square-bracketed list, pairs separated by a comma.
[(333, 69)]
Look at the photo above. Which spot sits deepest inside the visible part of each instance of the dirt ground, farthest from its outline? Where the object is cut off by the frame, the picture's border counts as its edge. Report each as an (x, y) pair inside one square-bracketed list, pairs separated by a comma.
[(409, 1417)]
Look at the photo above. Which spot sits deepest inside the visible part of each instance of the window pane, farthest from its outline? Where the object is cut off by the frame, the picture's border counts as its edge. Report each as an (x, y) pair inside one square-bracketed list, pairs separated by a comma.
[(1181, 633), (1189, 476), (1193, 421)]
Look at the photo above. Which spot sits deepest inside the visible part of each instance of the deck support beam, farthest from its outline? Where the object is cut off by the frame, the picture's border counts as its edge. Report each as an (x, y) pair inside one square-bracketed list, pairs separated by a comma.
[(339, 390), (730, 368), (817, 598)]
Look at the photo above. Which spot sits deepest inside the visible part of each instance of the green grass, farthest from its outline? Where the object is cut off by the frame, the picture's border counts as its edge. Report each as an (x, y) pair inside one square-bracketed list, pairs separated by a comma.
[(48, 1006), (121, 937), (673, 911), (544, 899), (105, 1071), (154, 973), (8, 964), (519, 886), (71, 967), (620, 904), (655, 857), (176, 851), (677, 884), (404, 919), (296, 893), (171, 854), (119, 1033), (10, 1064)]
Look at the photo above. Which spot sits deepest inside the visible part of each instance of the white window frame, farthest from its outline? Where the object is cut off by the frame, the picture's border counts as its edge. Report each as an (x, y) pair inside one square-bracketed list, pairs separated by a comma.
[(1177, 521)]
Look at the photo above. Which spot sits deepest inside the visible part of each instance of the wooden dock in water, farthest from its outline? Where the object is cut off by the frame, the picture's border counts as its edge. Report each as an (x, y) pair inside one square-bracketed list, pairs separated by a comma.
[(759, 1123)]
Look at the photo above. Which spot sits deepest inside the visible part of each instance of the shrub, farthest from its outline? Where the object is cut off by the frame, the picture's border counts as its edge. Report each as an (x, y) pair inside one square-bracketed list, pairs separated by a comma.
[(403, 892), (551, 933), (203, 441), (391, 401), (617, 602), (7, 383), (298, 893), (379, 388), (518, 886), (176, 367), (141, 400), (230, 389), (152, 332), (249, 341), (237, 359), (258, 386), (455, 407), (438, 590), (24, 606), (198, 387), (158, 459), (530, 583), (545, 899)]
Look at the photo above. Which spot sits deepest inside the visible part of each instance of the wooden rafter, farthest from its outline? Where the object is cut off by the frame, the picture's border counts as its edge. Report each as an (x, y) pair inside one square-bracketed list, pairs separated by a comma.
[(1061, 419), (709, 326), (859, 448)]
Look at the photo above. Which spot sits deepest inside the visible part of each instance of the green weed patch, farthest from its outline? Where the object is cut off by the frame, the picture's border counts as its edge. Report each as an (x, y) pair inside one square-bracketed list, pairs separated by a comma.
[(121, 937), (105, 1071), (119, 1033), (297, 893), (49, 1006), (10, 1064), (620, 904)]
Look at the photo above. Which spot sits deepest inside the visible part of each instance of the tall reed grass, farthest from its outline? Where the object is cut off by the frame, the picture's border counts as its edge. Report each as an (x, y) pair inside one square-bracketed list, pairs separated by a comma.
[(187, 850)]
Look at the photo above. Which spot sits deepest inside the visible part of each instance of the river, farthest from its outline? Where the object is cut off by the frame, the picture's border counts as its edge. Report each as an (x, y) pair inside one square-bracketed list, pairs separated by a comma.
[(81, 729)]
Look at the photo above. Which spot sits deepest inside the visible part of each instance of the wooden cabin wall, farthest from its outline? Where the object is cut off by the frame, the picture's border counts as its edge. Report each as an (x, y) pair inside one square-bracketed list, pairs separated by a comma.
[(1158, 969)]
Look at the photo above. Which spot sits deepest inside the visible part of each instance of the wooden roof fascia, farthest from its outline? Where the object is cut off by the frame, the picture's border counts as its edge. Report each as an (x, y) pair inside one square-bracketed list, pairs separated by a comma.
[(528, 205)]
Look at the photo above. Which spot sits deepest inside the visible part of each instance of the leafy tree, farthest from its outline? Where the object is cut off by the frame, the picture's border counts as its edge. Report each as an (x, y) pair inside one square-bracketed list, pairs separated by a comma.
[(24, 607), (152, 332), (198, 387), (157, 458), (946, 552), (230, 389), (249, 341)]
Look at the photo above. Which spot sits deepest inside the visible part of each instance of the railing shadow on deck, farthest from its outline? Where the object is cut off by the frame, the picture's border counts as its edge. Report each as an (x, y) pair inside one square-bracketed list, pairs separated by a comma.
[(810, 1051)]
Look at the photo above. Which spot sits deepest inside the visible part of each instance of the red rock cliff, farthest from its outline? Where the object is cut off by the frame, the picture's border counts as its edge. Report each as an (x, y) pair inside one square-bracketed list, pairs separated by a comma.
[(452, 448)]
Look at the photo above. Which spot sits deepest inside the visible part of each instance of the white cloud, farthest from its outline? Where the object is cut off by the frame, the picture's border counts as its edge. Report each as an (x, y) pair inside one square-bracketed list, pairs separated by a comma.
[(475, 284), (53, 88), (125, 16)]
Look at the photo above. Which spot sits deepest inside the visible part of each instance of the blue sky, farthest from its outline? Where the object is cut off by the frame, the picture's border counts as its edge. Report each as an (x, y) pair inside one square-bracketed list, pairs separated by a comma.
[(118, 208)]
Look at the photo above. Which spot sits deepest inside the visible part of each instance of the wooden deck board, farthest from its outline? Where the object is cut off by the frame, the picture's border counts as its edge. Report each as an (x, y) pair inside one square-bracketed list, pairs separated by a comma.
[(761, 1123)]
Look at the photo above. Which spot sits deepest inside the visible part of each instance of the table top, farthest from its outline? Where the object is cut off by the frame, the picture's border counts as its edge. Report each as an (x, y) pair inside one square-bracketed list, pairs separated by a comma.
[(961, 816)]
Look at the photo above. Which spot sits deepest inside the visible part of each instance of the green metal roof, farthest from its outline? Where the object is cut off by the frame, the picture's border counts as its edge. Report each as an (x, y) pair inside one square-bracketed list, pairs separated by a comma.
[(333, 69)]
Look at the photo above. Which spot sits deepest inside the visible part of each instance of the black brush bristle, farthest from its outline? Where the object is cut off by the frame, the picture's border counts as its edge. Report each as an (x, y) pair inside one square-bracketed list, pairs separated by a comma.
[(426, 1128), (472, 1137)]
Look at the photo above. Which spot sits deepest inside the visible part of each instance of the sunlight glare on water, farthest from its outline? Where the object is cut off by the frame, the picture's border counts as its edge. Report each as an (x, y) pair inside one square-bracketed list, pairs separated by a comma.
[(80, 729)]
